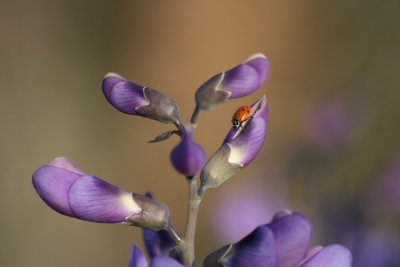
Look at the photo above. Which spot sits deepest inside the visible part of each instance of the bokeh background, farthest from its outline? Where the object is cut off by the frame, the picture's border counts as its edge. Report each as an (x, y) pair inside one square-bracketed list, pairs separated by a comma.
[(332, 150)]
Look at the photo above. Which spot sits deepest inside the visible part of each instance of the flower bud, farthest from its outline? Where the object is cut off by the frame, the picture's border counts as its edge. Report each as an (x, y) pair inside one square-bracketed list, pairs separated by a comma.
[(239, 81), (187, 157), (239, 148), (71, 192), (135, 99)]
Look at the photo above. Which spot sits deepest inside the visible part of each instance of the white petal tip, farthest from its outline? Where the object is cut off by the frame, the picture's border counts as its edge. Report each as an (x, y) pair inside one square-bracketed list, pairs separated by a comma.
[(257, 55), (113, 74)]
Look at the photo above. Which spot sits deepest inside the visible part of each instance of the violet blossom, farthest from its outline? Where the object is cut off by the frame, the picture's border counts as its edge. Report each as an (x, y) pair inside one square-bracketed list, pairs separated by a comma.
[(284, 242), (187, 157), (239, 81), (69, 191), (134, 99), (239, 148)]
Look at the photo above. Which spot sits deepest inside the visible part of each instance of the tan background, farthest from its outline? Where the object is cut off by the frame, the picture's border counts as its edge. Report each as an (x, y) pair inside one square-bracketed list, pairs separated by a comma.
[(54, 54)]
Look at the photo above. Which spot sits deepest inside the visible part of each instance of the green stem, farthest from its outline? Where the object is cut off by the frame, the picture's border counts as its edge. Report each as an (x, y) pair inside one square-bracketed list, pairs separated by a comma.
[(193, 207), (195, 115)]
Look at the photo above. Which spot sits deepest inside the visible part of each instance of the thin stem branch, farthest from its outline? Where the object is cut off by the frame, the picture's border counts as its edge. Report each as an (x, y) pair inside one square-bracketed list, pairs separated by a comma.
[(193, 207), (180, 127), (195, 115), (174, 234)]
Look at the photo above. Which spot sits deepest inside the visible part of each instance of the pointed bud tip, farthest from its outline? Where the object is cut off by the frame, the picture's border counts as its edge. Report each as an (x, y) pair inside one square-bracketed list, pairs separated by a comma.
[(254, 56), (282, 214), (114, 75)]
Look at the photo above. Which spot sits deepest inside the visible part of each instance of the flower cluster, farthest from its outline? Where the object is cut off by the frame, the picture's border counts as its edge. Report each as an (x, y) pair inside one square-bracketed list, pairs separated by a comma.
[(283, 242)]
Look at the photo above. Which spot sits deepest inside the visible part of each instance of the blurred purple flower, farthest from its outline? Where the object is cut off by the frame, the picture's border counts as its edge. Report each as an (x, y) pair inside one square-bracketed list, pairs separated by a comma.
[(334, 123), (327, 123), (139, 100), (240, 147), (69, 191), (239, 81), (377, 247), (281, 243), (255, 205), (187, 157), (385, 195)]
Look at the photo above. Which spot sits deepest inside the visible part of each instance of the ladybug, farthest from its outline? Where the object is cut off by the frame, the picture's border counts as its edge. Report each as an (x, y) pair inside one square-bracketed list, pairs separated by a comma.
[(241, 115)]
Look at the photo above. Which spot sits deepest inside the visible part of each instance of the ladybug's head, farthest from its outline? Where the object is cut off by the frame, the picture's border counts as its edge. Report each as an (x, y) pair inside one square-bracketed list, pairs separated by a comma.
[(235, 123)]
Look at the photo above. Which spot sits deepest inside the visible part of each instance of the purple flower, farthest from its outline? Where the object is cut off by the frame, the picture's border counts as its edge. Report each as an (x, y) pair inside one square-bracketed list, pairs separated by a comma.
[(239, 81), (69, 191), (330, 256), (137, 259), (281, 243), (139, 100), (239, 148), (187, 157), (160, 248)]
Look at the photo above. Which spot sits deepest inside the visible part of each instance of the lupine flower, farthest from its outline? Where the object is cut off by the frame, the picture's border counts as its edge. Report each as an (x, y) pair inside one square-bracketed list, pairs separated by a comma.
[(239, 81), (160, 248), (139, 100), (187, 157), (239, 148), (69, 191), (137, 259), (281, 243)]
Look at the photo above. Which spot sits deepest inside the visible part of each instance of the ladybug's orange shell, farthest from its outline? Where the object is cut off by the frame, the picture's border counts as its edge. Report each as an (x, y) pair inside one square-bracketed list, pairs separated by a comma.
[(242, 114)]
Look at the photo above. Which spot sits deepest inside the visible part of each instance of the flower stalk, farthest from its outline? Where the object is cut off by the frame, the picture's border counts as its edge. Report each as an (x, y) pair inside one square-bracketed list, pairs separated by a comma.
[(191, 219)]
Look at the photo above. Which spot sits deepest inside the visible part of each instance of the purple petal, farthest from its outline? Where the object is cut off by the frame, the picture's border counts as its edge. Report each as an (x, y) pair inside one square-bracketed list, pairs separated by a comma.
[(244, 79), (66, 164), (239, 81), (292, 233), (330, 256), (163, 261), (122, 94), (95, 200), (256, 249), (249, 141), (137, 258), (53, 182), (187, 157), (157, 242), (261, 64), (152, 242)]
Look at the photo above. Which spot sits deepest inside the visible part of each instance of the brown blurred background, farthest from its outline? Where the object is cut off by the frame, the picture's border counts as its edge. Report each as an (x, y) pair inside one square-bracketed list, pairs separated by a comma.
[(54, 54)]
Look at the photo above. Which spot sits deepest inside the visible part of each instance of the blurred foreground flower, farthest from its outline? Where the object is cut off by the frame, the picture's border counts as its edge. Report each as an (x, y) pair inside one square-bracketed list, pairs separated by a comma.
[(283, 242), (69, 191)]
